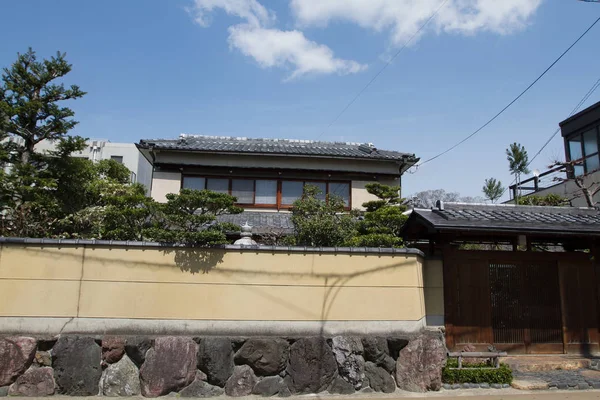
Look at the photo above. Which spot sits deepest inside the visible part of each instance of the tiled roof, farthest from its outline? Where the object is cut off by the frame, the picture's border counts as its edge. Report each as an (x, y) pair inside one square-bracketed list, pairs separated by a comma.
[(262, 222), (503, 217), (224, 144)]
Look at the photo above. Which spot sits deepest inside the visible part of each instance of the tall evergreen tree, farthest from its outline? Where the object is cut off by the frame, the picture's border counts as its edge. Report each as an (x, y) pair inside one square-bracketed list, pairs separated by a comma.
[(518, 161), (30, 101)]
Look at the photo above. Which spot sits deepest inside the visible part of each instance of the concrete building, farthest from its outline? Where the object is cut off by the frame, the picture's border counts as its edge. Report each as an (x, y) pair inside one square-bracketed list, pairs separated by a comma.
[(103, 149), (268, 175), (581, 135)]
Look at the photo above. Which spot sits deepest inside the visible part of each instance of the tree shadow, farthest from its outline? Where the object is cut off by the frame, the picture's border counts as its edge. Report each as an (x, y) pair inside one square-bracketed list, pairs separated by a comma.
[(196, 260)]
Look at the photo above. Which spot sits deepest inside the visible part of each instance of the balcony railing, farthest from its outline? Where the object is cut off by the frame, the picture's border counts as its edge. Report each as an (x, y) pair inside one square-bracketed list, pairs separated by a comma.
[(536, 183)]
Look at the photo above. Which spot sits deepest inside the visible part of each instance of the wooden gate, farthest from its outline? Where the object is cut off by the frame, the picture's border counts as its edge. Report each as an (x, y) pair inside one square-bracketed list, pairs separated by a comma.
[(521, 302)]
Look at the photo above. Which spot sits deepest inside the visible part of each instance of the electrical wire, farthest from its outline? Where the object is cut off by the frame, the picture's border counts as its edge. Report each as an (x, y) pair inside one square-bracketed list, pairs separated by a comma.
[(589, 93), (387, 64), (514, 100)]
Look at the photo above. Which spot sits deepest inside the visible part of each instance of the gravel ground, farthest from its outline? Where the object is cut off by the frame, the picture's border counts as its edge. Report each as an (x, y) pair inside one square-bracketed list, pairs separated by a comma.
[(560, 379)]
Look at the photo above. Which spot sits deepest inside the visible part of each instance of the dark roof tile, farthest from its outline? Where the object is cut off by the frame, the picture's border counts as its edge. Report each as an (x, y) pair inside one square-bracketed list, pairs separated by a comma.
[(502, 217), (276, 146)]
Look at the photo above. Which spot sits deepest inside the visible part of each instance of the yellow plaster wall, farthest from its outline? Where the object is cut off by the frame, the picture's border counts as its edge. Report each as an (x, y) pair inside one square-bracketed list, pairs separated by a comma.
[(433, 282), (153, 283)]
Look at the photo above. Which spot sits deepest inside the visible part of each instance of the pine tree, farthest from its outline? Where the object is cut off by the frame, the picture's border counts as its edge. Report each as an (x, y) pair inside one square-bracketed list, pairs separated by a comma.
[(30, 101), (493, 189), (518, 161)]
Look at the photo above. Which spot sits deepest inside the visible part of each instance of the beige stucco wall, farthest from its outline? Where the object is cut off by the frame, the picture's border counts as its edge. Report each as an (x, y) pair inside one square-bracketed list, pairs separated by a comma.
[(360, 194), (433, 282), (164, 183), (216, 285)]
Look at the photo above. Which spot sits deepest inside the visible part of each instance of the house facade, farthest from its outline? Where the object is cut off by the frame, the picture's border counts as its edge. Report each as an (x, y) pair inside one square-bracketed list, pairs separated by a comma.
[(268, 175), (581, 135)]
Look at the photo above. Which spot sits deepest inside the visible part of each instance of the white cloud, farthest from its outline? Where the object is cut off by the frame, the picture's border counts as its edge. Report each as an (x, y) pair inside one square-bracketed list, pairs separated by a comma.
[(402, 18), (252, 11), (271, 47), (276, 48)]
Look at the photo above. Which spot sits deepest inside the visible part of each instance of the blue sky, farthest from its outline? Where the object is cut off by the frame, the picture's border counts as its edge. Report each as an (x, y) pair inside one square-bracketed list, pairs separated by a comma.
[(275, 68)]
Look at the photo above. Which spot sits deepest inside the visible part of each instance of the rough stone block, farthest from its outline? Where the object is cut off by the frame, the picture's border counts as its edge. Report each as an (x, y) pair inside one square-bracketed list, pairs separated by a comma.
[(76, 362), (169, 367), (312, 365), (379, 379), (241, 382), (16, 355), (36, 382), (113, 348), (215, 359), (348, 354), (265, 356), (120, 379), (420, 363)]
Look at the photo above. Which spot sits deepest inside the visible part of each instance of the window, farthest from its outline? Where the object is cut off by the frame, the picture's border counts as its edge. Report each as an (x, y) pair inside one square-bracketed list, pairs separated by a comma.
[(218, 185), (272, 193), (584, 146), (291, 191), (322, 186), (193, 182), (266, 192), (243, 189), (341, 190), (118, 159)]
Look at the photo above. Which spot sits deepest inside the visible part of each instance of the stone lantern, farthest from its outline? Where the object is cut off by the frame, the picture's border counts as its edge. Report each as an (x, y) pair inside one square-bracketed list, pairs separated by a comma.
[(246, 236)]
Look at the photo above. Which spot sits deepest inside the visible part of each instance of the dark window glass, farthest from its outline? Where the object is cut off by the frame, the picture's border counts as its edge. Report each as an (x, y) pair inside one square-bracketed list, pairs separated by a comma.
[(590, 142), (193, 182), (575, 148), (118, 159), (218, 185), (291, 191), (591, 163), (322, 186), (243, 189), (341, 190), (266, 191)]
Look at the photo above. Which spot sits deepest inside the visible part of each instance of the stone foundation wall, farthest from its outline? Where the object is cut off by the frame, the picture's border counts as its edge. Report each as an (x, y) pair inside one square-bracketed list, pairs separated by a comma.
[(213, 366)]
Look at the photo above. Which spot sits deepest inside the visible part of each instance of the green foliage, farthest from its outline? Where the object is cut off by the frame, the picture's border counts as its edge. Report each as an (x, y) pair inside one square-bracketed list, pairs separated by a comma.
[(383, 219), (190, 218), (517, 159), (320, 222), (476, 373), (547, 200), (30, 101), (493, 189)]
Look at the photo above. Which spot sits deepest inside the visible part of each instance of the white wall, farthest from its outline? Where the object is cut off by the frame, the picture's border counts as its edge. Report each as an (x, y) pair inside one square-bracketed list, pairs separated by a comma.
[(104, 150)]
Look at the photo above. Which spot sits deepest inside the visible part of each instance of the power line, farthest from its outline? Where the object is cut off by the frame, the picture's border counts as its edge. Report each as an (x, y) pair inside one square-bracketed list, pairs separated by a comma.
[(589, 93), (583, 100), (514, 100), (387, 64)]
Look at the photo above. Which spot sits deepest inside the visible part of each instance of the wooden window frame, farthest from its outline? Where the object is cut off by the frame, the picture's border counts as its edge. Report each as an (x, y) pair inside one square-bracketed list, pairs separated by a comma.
[(279, 195)]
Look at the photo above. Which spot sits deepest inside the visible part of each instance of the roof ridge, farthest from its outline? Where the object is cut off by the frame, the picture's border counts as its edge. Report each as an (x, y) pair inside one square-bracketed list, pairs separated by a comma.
[(277, 140)]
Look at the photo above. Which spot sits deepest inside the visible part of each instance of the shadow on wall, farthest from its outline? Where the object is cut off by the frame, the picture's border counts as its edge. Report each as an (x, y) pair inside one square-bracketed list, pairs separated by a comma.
[(196, 260)]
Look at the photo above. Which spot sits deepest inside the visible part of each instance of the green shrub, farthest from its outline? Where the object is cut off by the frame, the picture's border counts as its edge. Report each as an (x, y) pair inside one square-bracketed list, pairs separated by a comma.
[(476, 373)]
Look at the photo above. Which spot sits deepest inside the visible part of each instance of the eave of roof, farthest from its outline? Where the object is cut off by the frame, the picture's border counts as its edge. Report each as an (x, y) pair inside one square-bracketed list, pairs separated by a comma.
[(268, 147), (517, 220)]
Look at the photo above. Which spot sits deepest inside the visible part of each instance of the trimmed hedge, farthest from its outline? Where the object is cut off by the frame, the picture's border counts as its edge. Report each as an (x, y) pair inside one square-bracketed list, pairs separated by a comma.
[(476, 373)]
